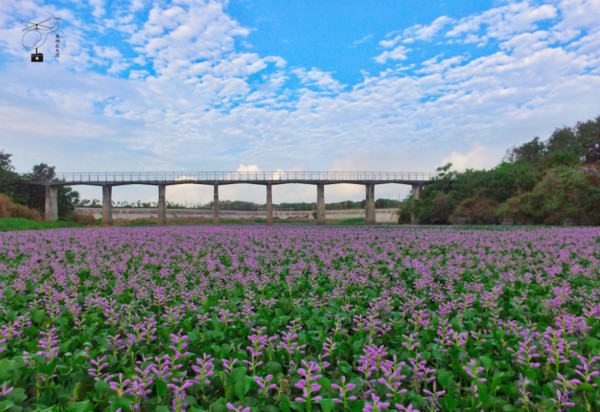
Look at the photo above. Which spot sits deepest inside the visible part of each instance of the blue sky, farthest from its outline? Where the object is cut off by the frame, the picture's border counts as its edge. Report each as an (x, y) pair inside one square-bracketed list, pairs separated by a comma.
[(193, 85)]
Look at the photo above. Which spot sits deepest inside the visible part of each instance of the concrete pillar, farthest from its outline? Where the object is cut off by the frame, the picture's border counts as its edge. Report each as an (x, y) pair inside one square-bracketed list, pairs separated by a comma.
[(416, 191), (416, 195), (107, 205), (51, 209), (320, 204), (162, 206), (370, 204), (216, 207), (269, 205)]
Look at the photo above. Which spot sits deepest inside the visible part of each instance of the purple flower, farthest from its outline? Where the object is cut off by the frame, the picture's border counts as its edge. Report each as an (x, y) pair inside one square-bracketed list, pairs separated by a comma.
[(343, 392), (307, 384), (264, 384), (204, 369), (409, 408), (5, 389), (99, 364), (231, 407), (47, 344), (376, 405), (472, 370)]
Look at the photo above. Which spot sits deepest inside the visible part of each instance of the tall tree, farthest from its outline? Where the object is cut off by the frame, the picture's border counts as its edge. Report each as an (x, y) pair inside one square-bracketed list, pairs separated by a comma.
[(588, 136), (11, 183), (42, 172), (5, 162), (530, 153)]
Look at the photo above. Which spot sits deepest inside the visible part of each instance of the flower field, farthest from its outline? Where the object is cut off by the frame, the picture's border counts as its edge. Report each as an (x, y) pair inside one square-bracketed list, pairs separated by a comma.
[(300, 318)]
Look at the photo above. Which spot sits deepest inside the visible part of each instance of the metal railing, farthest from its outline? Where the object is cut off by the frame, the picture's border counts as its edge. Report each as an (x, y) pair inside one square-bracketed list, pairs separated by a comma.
[(277, 176)]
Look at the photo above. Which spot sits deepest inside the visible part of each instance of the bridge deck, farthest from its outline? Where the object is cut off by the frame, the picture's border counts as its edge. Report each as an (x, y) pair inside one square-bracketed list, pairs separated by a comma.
[(225, 178), (162, 179)]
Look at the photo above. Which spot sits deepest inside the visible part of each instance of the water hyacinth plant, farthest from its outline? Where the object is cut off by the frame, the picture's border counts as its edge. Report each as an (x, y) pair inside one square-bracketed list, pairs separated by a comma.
[(300, 319)]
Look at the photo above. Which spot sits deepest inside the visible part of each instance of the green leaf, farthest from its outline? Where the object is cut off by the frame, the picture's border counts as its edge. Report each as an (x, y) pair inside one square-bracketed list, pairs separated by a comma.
[(297, 406), (5, 405), (357, 406), (273, 367), (123, 403), (325, 384), (487, 362), (238, 373), (586, 387), (79, 391), (218, 405), (38, 316), (82, 406), (284, 403), (451, 403), (49, 368), (6, 368), (161, 388), (445, 378), (241, 388), (327, 405)]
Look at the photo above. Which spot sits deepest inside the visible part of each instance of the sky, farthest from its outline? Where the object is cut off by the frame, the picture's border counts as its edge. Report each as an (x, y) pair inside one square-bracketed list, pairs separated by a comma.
[(353, 85)]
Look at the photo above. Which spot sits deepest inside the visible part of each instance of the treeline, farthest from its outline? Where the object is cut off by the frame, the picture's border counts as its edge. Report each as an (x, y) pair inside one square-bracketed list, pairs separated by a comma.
[(16, 187), (245, 206), (554, 181)]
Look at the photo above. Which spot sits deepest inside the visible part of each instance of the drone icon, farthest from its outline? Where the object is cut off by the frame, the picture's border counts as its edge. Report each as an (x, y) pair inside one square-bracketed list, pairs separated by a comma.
[(36, 35)]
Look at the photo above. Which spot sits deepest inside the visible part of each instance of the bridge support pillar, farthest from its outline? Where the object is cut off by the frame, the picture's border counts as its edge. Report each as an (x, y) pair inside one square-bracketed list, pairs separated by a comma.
[(370, 204), (51, 207), (320, 204), (107, 205), (162, 205), (269, 204), (416, 195), (216, 206)]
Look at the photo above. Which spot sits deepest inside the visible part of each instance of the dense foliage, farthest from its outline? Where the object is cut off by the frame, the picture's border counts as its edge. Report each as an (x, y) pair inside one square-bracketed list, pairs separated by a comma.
[(16, 187), (543, 182), (299, 318)]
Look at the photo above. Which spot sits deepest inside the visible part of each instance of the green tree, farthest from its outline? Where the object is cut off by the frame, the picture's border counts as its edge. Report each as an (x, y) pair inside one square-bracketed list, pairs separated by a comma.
[(588, 136), (530, 153), (5, 162), (563, 148), (11, 183)]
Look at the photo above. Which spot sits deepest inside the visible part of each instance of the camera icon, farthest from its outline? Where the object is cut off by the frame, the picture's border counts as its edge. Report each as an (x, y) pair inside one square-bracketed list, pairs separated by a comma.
[(37, 57)]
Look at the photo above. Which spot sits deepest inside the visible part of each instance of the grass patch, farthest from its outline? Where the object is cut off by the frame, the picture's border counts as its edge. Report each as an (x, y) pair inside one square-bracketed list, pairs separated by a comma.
[(18, 223), (351, 221), (140, 222)]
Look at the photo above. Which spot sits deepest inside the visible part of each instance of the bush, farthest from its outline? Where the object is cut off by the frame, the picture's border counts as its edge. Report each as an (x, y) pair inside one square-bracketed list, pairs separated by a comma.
[(566, 195), (476, 210), (10, 209), (86, 219)]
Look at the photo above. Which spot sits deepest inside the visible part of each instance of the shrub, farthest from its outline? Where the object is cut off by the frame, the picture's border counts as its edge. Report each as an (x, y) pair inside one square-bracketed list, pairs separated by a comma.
[(10, 209), (84, 218), (476, 210)]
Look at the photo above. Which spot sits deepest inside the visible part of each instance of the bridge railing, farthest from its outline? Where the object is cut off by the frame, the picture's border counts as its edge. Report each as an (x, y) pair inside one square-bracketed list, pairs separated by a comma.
[(174, 177)]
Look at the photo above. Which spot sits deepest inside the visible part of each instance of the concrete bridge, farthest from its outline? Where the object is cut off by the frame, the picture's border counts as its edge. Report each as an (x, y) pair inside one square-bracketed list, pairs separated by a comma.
[(163, 179)]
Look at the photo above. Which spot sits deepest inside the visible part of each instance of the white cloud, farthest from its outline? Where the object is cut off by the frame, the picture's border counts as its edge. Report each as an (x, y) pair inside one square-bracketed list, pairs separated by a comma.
[(475, 158), (503, 22), (248, 168), (579, 14), (98, 6), (398, 53), (427, 32), (318, 78)]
